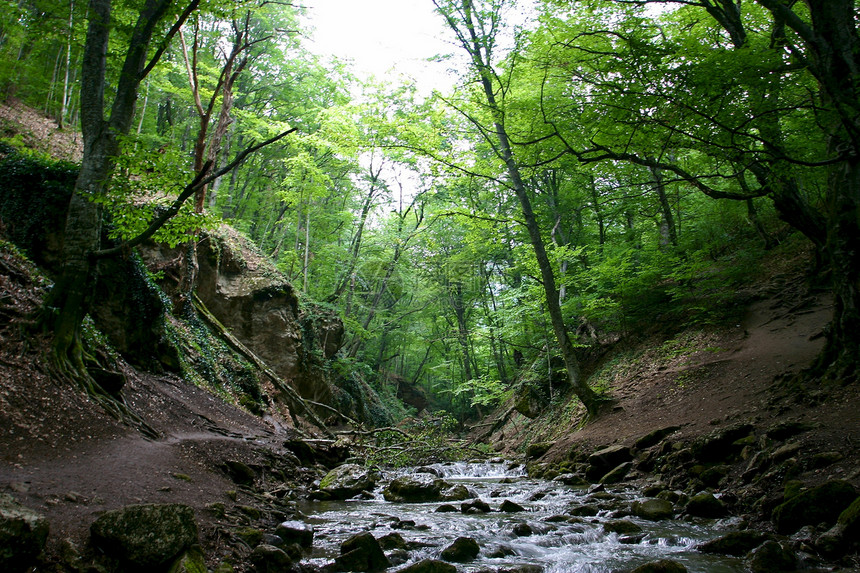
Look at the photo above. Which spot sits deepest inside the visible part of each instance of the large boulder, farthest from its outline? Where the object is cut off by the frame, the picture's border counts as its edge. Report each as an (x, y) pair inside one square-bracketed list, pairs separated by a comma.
[(145, 536), (348, 480), (820, 504), (416, 488), (270, 559), (23, 533), (361, 552), (604, 460), (771, 557)]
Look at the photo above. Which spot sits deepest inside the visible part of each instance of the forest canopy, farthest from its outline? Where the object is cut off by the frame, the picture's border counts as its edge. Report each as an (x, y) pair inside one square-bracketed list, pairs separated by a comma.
[(600, 168)]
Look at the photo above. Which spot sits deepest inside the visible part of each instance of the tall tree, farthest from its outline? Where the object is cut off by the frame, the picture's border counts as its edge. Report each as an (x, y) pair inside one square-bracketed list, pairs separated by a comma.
[(69, 298), (736, 98), (476, 27)]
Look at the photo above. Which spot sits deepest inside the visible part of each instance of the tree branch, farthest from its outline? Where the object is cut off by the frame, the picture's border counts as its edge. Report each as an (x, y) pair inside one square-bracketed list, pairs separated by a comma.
[(200, 181)]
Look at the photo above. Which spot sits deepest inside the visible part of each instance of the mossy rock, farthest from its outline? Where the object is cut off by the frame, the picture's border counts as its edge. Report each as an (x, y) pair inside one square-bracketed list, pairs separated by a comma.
[(145, 536), (349, 480), (653, 509), (192, 561), (823, 503), (253, 537), (706, 505)]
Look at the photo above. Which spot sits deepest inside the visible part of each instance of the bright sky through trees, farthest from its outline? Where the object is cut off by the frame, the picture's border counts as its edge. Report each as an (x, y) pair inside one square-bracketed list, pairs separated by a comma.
[(384, 38)]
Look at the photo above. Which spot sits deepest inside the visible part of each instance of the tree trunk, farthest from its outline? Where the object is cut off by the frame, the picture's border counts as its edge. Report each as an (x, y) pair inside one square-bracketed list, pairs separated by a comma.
[(68, 301), (478, 48)]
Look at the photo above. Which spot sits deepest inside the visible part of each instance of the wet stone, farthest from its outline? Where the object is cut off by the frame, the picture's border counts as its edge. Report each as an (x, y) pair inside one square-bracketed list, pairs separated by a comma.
[(475, 506), (653, 509), (361, 552), (463, 549), (296, 532), (509, 506), (523, 530)]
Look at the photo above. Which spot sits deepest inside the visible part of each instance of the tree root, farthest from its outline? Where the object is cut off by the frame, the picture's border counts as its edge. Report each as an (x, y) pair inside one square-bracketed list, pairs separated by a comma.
[(75, 373)]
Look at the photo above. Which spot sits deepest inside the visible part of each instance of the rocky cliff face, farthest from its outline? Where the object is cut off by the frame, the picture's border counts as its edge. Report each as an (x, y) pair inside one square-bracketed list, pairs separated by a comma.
[(260, 308)]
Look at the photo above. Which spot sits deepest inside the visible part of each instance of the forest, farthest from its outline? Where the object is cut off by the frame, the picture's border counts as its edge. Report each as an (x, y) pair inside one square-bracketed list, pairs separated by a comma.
[(605, 166), (614, 264)]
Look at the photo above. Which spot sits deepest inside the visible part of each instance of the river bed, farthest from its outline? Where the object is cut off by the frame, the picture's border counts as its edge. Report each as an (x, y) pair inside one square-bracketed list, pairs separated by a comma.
[(558, 542)]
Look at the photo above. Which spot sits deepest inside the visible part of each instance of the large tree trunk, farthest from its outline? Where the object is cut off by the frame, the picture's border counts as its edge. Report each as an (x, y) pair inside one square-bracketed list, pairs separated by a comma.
[(70, 296), (67, 304)]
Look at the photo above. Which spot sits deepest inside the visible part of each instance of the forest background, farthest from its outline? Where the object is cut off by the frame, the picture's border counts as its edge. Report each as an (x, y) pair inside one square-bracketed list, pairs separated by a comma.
[(604, 168)]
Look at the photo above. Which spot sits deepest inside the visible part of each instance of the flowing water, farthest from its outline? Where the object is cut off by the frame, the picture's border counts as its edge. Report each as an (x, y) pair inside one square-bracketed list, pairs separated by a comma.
[(554, 546)]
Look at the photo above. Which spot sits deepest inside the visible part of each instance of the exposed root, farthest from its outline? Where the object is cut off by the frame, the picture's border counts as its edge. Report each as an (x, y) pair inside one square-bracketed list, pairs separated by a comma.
[(73, 371)]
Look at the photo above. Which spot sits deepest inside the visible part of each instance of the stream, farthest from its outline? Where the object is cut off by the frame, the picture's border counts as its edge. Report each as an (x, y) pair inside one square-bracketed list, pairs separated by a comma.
[(557, 543)]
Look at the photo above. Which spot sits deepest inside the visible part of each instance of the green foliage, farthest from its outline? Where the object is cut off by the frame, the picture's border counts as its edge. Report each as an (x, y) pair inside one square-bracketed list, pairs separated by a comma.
[(482, 392), (35, 191)]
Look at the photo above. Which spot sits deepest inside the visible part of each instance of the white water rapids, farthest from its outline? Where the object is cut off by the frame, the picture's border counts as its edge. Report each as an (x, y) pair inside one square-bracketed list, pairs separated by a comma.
[(554, 546)]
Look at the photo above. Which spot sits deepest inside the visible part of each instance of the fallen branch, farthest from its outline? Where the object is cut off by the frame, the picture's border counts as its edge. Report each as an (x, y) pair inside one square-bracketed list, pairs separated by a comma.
[(294, 401), (333, 410), (375, 431)]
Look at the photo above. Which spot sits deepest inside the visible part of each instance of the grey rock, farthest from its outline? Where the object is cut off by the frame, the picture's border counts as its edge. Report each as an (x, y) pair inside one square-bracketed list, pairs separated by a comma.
[(418, 488)]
